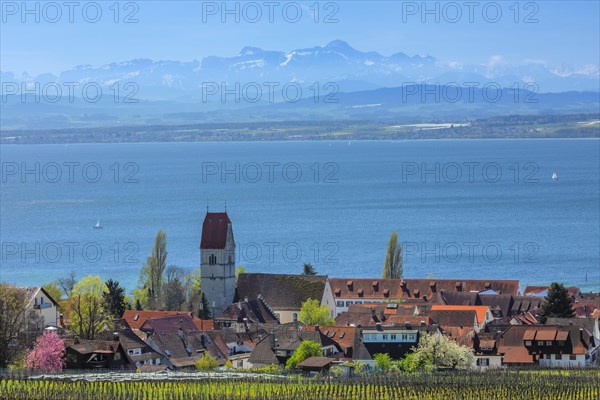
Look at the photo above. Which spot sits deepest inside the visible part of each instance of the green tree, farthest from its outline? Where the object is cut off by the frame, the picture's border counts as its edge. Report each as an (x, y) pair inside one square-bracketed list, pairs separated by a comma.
[(308, 269), (435, 350), (313, 313), (13, 301), (174, 289), (53, 290), (307, 349), (206, 363), (88, 315), (383, 361), (238, 271), (392, 266), (114, 299), (558, 303), (151, 274), (204, 312), (140, 298)]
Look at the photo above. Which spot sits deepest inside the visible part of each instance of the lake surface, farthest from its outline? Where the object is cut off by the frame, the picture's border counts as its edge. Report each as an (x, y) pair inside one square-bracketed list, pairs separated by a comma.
[(466, 208)]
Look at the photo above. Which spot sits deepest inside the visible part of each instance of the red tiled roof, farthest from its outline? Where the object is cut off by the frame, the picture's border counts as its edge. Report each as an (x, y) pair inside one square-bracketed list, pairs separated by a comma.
[(429, 287), (480, 311), (135, 319), (169, 324), (204, 324), (546, 334), (214, 231), (529, 334), (342, 335), (516, 355), (366, 288)]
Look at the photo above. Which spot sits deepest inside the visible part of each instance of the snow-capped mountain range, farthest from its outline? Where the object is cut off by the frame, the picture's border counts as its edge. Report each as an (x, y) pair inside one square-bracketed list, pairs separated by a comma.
[(337, 61)]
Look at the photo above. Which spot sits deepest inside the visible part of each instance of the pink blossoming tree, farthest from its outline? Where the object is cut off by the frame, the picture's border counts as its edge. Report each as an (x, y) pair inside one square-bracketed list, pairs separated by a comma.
[(47, 353)]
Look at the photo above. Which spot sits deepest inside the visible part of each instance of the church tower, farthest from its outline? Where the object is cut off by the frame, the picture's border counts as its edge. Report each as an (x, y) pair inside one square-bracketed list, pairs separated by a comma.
[(217, 261)]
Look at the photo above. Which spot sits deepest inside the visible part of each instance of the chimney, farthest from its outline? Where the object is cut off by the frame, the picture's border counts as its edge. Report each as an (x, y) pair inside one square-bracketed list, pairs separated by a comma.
[(378, 326), (61, 318), (272, 339), (116, 336), (581, 334)]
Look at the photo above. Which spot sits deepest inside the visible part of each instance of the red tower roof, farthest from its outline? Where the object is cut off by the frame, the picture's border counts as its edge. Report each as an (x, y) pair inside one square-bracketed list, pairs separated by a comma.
[(214, 231)]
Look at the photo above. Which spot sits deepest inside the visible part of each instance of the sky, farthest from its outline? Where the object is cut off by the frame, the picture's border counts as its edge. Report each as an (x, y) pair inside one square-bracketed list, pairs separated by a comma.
[(51, 36)]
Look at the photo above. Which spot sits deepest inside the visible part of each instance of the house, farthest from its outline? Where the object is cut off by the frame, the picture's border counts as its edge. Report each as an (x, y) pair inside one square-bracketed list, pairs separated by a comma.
[(343, 336), (217, 261), (134, 319), (396, 341), (483, 313), (240, 314), (546, 345), (284, 294), (428, 288), (315, 365), (278, 346), (182, 344), (485, 350), (94, 354), (138, 352), (542, 291), (340, 293), (592, 328), (41, 310)]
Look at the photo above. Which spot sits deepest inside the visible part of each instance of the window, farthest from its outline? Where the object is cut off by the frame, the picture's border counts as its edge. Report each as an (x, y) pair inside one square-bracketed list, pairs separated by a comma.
[(393, 336), (295, 317), (572, 357), (339, 303), (348, 303), (212, 259), (547, 356), (528, 343), (548, 343), (558, 357), (540, 342), (384, 337), (483, 362)]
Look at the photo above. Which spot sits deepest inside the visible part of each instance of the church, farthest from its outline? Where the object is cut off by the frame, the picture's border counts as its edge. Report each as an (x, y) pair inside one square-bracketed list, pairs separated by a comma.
[(217, 261)]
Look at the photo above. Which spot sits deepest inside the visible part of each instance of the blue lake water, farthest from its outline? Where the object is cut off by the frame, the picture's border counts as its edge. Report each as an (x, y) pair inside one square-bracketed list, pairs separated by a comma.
[(470, 208)]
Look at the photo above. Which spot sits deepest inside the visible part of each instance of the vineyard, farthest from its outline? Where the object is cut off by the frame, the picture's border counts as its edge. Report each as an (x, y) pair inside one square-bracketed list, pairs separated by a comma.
[(526, 385)]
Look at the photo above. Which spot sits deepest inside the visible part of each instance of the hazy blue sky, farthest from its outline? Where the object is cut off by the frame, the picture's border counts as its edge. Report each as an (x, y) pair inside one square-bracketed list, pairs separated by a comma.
[(554, 32)]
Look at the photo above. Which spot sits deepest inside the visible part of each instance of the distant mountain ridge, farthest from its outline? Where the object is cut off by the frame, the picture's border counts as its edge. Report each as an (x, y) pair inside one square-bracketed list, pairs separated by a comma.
[(336, 62), (334, 81)]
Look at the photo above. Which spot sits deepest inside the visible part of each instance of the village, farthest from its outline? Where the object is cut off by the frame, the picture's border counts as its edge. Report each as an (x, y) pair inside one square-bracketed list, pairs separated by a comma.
[(261, 321)]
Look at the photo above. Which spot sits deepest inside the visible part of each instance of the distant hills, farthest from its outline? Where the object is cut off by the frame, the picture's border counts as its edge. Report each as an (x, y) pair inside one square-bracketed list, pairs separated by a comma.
[(322, 82)]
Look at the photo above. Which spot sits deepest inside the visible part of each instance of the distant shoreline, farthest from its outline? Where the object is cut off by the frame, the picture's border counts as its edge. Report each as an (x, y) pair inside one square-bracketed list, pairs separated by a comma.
[(572, 126)]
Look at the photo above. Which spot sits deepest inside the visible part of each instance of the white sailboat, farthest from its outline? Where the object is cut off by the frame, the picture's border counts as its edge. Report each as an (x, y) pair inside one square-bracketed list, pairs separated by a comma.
[(554, 177), (98, 226)]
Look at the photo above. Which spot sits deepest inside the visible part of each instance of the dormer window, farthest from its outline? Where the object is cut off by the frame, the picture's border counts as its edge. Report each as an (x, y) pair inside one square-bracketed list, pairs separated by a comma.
[(350, 285)]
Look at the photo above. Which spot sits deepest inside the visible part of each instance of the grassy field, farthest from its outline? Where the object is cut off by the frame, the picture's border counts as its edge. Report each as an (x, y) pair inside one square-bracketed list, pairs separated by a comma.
[(500, 385)]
